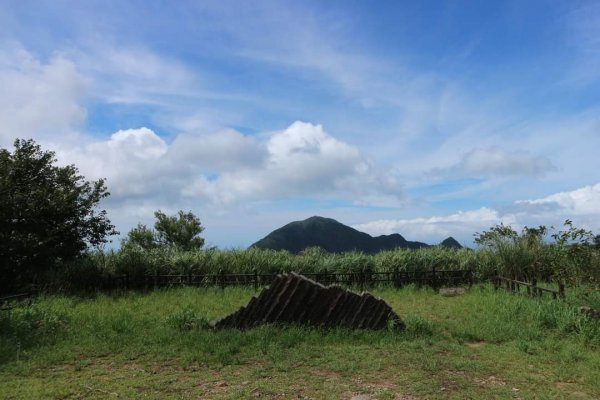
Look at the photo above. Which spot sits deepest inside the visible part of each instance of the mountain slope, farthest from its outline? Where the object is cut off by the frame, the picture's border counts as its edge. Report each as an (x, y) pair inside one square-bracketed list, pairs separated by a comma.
[(451, 243), (331, 236)]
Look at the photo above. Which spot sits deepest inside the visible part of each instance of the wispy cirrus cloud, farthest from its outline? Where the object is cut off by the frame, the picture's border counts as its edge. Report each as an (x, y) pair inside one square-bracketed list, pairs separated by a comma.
[(495, 161)]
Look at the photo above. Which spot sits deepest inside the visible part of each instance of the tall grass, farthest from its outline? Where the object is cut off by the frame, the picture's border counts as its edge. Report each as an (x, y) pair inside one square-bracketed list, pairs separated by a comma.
[(512, 259), (136, 263)]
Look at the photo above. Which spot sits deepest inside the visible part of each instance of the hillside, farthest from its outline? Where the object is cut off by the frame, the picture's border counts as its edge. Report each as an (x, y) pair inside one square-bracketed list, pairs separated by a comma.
[(335, 237), (450, 242)]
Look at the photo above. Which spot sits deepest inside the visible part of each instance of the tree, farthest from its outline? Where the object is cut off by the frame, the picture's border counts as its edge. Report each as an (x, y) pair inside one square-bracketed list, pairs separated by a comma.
[(141, 237), (572, 257), (48, 213), (181, 230), (518, 256), (575, 257)]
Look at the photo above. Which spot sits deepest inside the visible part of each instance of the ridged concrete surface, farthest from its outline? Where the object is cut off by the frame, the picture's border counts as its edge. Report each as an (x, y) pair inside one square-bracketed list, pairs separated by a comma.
[(293, 298)]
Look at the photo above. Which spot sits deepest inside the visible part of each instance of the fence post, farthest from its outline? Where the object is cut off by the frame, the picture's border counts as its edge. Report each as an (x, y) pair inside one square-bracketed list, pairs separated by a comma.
[(471, 277), (561, 290), (534, 288)]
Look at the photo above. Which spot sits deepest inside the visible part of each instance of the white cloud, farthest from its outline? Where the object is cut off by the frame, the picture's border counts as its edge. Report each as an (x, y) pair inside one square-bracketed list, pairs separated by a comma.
[(303, 160), (225, 150), (461, 225), (134, 75), (132, 160), (140, 143), (38, 99), (228, 167), (579, 202), (582, 206), (494, 161)]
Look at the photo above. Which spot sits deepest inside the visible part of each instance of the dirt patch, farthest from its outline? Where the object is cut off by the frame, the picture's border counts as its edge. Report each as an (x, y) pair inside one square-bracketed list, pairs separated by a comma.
[(490, 381), (360, 397), (382, 384), (451, 292), (568, 387), (326, 373), (476, 345)]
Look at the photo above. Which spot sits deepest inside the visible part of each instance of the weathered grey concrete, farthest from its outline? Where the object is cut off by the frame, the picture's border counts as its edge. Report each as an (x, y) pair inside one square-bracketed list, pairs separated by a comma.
[(293, 298)]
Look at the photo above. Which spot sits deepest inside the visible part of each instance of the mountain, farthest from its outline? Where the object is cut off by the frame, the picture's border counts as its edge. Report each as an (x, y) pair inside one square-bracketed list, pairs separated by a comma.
[(451, 243), (331, 236)]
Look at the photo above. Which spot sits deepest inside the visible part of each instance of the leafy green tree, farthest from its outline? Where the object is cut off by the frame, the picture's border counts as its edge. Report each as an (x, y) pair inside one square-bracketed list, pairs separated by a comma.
[(572, 257), (48, 213), (521, 256), (181, 230), (140, 237), (576, 256)]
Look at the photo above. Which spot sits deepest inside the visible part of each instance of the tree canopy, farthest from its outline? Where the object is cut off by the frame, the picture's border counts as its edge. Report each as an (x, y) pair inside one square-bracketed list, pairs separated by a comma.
[(181, 230), (47, 213)]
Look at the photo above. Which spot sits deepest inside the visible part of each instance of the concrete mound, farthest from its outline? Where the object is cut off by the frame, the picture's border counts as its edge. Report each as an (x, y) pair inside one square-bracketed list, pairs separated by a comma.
[(293, 298)]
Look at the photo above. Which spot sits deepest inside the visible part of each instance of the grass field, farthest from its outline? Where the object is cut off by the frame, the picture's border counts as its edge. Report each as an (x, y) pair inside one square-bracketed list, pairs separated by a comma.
[(482, 345)]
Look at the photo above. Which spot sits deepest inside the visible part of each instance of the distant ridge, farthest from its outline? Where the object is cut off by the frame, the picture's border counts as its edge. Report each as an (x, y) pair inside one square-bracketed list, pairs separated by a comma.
[(335, 237), (450, 242)]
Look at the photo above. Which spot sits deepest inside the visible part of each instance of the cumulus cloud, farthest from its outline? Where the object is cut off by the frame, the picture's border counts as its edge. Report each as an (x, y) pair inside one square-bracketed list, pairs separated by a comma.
[(494, 161), (132, 160), (581, 206), (38, 98), (228, 167), (225, 150), (579, 202), (302, 160), (462, 225)]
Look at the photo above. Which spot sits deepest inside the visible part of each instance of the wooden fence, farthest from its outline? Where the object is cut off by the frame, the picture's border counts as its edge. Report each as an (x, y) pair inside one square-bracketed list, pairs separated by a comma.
[(434, 278), (7, 302), (531, 289)]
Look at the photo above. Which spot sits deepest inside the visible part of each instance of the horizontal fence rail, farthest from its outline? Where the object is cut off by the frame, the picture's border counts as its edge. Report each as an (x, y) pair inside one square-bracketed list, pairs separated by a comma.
[(434, 278), (532, 289), (7, 302)]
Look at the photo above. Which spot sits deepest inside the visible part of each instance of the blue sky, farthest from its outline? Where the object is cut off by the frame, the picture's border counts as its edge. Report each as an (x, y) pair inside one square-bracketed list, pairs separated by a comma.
[(424, 118)]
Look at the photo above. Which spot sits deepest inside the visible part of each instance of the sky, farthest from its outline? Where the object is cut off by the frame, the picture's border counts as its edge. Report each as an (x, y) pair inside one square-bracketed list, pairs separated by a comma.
[(425, 118)]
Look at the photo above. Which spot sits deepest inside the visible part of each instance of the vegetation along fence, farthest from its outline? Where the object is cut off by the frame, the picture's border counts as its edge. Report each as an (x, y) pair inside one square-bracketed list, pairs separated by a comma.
[(532, 289), (8, 302), (433, 278)]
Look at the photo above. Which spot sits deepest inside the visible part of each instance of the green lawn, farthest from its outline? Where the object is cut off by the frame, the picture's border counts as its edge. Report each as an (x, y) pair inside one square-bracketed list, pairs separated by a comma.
[(482, 345)]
